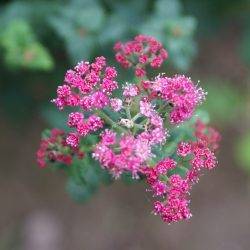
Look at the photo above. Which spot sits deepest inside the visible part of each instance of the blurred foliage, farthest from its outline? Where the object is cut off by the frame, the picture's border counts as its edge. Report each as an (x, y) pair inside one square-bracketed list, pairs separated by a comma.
[(22, 48), (84, 27), (176, 31), (216, 15), (245, 46), (243, 152), (224, 102), (78, 24)]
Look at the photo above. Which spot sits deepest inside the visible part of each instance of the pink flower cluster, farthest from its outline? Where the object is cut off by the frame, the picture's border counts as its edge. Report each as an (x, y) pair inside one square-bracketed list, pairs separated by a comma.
[(121, 155), (180, 92), (174, 191), (175, 208), (143, 50), (87, 85), (54, 149), (210, 136), (127, 153), (83, 127), (173, 188), (133, 126), (200, 157)]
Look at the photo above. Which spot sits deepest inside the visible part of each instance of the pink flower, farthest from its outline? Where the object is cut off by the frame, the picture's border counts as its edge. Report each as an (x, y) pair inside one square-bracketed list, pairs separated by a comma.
[(158, 207), (156, 62), (83, 128), (63, 91), (140, 72), (72, 140), (108, 85), (53, 148), (142, 149), (146, 108), (177, 182), (104, 155), (143, 58), (74, 119), (108, 137), (164, 166), (88, 85), (181, 93), (95, 122), (207, 134), (159, 188), (184, 148), (110, 73), (116, 104), (175, 207), (175, 210), (141, 51), (99, 100), (130, 90), (158, 135), (82, 67)]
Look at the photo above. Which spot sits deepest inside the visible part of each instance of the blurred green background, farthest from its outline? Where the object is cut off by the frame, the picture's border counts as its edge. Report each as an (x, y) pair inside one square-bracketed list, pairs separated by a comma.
[(39, 40)]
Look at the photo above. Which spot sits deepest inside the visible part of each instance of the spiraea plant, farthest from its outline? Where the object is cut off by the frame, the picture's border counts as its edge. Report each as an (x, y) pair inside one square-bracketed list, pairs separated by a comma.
[(147, 129)]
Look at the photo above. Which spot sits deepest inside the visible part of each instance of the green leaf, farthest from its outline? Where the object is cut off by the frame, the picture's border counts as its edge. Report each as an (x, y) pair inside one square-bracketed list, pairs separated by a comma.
[(175, 31), (22, 50), (78, 26)]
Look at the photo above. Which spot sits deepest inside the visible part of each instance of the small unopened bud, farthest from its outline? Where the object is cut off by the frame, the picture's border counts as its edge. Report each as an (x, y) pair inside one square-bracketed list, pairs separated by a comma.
[(127, 123)]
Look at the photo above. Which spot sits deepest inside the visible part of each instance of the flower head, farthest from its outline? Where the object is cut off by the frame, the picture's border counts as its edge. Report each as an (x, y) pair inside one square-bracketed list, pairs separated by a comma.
[(143, 50), (134, 127), (53, 148)]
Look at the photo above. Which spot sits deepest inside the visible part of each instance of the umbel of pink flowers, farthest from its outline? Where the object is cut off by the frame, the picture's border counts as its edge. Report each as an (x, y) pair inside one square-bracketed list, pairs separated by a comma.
[(146, 109)]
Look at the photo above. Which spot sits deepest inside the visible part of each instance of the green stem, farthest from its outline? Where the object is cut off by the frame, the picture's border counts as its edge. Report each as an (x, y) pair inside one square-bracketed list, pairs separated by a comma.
[(109, 121), (139, 126), (128, 113), (136, 117)]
